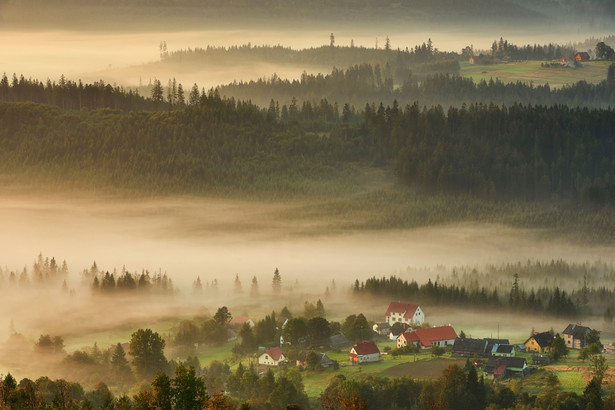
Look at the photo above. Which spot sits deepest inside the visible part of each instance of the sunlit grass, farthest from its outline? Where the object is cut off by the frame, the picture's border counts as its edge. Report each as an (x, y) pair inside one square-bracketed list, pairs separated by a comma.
[(525, 71)]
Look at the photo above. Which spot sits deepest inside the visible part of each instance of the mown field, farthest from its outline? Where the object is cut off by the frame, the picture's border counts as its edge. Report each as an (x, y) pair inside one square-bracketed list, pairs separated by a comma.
[(593, 72)]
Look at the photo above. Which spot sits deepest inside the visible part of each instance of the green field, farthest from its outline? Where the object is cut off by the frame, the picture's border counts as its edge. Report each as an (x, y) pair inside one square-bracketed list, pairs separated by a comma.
[(531, 71)]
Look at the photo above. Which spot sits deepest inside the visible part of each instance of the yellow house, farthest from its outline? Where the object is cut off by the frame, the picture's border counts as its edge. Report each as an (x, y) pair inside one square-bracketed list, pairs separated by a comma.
[(539, 342)]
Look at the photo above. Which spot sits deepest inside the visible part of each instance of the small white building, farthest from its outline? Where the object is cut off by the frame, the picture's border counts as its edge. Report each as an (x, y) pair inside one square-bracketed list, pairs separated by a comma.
[(364, 352), (273, 356), (404, 313)]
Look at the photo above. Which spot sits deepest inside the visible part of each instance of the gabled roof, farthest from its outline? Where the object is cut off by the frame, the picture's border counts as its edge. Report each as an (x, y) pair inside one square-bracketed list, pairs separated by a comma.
[(544, 339), (427, 335), (576, 331), (239, 320), (504, 349), (366, 347), (274, 352), (468, 345), (402, 308), (509, 362), (492, 342), (398, 328)]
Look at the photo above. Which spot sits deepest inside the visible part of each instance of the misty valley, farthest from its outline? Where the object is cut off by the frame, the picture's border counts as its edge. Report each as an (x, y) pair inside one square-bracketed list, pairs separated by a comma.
[(307, 205)]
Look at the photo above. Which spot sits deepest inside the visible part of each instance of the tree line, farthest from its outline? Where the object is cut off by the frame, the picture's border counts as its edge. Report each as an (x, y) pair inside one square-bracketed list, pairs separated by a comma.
[(544, 299)]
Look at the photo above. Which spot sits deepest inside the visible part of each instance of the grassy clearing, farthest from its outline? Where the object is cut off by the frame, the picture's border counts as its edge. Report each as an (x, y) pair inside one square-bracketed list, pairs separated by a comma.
[(593, 72)]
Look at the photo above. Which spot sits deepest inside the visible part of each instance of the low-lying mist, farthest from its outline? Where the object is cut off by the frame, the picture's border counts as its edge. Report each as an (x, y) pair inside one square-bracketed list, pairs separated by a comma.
[(216, 240), (123, 57)]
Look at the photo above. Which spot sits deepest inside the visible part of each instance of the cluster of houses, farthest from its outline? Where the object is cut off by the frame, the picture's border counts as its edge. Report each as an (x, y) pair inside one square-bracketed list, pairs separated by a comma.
[(499, 354)]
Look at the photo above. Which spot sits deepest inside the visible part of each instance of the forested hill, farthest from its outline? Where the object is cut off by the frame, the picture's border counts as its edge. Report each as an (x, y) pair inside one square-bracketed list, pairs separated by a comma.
[(219, 146)]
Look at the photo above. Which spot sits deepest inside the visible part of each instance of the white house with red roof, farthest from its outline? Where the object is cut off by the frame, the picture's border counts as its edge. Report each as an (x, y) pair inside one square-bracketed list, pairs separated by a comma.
[(441, 336), (273, 356), (404, 313), (364, 352)]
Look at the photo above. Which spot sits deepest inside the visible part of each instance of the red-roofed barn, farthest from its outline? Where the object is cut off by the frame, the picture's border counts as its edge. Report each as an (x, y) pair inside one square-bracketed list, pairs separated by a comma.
[(427, 337), (404, 313), (364, 352)]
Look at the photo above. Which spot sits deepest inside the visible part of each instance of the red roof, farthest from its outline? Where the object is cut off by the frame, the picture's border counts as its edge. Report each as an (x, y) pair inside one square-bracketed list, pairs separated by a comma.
[(405, 308), (366, 348), (428, 335), (274, 352), (239, 320)]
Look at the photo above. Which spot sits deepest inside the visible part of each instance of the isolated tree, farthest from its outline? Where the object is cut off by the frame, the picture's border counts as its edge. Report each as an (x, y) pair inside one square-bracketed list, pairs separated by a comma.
[(197, 286), (276, 282), (237, 284), (223, 316), (119, 363), (593, 337), (147, 351), (332, 40), (254, 287)]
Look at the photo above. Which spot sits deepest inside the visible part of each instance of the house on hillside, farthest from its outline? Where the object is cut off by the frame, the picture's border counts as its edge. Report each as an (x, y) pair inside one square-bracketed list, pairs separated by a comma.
[(273, 356), (581, 56), (441, 336), (468, 347), (574, 336), (503, 350), (404, 313), (539, 342), (238, 321), (364, 352), (499, 367), (323, 360)]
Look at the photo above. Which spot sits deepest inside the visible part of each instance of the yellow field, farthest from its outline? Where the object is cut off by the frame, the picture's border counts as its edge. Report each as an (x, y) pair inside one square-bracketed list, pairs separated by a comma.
[(526, 71)]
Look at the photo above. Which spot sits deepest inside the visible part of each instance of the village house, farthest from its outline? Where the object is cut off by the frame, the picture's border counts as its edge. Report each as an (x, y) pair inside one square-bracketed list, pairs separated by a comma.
[(503, 350), (574, 336), (441, 336), (323, 360), (499, 367), (581, 56), (273, 356), (364, 352), (539, 342), (404, 313), (468, 347)]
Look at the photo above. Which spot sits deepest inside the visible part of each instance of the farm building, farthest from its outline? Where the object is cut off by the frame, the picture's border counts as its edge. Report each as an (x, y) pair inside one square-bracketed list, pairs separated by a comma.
[(441, 336), (404, 313), (574, 336), (364, 352), (539, 342)]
